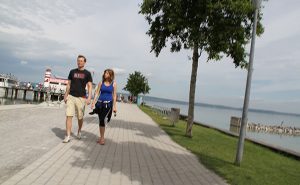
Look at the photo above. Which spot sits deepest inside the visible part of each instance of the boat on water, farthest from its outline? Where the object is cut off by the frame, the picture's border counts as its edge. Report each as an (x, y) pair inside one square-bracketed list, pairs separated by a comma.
[(7, 81)]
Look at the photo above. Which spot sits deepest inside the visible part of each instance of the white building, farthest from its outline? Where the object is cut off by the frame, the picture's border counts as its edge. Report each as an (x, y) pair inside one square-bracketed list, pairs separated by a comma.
[(56, 85)]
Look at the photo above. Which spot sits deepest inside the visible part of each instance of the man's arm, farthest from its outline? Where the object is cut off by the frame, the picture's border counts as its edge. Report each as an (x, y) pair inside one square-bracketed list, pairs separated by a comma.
[(90, 86), (67, 91)]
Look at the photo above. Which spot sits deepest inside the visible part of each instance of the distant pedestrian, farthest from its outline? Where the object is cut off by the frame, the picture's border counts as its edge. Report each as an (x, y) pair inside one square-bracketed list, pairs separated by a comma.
[(28, 85), (129, 99), (75, 96), (105, 105)]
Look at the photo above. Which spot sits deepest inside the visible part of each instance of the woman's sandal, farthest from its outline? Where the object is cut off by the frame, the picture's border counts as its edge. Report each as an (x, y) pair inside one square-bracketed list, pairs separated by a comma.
[(101, 141)]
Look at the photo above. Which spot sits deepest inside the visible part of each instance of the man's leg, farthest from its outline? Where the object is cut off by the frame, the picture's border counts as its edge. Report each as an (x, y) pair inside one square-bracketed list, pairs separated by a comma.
[(68, 125), (68, 129), (80, 123), (69, 116), (80, 108)]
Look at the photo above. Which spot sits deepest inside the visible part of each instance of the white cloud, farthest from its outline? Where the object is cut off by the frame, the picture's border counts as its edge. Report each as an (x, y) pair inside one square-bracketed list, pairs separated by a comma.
[(113, 35), (119, 71), (23, 62)]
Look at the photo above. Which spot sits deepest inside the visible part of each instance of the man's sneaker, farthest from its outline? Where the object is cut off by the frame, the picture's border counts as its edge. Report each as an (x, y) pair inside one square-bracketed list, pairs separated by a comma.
[(79, 135), (67, 139)]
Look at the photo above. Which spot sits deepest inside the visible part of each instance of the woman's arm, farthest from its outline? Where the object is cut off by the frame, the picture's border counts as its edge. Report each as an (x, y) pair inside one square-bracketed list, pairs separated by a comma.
[(96, 95), (115, 97)]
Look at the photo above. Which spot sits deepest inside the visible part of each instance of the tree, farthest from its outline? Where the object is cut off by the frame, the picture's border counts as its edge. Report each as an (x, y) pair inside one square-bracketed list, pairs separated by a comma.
[(218, 28), (136, 84)]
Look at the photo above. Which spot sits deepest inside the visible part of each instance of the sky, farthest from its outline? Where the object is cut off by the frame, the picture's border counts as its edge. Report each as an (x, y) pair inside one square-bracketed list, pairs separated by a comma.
[(35, 35)]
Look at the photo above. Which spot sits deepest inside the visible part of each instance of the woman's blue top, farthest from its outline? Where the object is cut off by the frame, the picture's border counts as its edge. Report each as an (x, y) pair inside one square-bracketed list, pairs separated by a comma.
[(106, 92)]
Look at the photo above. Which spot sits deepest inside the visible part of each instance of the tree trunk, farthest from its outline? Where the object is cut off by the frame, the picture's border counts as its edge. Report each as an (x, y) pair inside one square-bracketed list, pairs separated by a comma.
[(190, 120)]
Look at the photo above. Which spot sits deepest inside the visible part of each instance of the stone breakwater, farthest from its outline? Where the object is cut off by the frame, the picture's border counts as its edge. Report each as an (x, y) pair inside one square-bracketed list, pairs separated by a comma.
[(287, 130), (272, 129)]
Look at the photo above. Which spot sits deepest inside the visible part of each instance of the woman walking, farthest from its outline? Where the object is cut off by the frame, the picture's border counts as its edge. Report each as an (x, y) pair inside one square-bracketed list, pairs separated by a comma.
[(106, 103)]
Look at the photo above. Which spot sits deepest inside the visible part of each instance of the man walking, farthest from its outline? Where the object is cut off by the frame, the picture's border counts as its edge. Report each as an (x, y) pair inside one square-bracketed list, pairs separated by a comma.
[(75, 96)]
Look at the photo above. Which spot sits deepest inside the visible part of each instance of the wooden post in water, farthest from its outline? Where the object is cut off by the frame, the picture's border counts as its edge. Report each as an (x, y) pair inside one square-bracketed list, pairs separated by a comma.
[(39, 95), (6, 93), (35, 95), (12, 94), (24, 95), (42, 96), (16, 94)]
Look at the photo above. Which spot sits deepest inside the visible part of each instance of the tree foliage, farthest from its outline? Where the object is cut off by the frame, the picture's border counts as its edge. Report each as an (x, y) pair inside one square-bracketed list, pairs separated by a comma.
[(137, 83), (218, 27)]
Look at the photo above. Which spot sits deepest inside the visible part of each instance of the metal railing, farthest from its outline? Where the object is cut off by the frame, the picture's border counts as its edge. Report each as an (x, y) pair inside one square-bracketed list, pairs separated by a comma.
[(163, 111)]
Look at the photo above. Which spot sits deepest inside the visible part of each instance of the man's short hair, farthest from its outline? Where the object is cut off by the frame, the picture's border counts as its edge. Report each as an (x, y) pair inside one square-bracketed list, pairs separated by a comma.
[(81, 56)]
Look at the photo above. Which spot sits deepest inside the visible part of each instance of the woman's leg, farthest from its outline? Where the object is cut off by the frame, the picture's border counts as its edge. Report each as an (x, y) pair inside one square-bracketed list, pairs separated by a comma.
[(104, 110), (102, 130), (101, 127)]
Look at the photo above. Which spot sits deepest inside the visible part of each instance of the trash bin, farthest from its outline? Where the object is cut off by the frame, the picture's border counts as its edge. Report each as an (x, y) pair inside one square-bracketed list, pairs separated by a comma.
[(139, 100), (174, 116)]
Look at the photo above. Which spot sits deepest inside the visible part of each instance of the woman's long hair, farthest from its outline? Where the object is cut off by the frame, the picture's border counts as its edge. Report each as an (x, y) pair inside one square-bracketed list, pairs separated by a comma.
[(111, 75)]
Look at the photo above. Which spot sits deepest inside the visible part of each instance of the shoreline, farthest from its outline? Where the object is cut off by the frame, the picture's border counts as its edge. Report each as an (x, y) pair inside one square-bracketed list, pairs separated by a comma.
[(217, 106), (273, 147), (276, 148), (18, 106), (26, 105), (215, 149)]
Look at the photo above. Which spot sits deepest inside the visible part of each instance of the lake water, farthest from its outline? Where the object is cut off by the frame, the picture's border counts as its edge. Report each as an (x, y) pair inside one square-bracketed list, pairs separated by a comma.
[(220, 118), (8, 101)]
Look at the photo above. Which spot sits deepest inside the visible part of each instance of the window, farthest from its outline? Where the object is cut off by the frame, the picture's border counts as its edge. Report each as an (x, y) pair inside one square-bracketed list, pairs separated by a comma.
[(11, 81)]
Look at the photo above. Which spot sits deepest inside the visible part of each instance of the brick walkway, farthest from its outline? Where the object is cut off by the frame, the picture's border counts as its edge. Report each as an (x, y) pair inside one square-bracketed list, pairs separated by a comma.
[(137, 151)]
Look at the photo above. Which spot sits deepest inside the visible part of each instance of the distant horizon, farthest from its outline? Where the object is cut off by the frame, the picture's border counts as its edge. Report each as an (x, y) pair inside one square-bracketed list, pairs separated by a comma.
[(225, 106), (219, 105)]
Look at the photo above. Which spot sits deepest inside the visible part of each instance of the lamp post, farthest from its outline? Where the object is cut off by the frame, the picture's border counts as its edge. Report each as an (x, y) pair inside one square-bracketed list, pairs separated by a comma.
[(240, 149), (145, 88)]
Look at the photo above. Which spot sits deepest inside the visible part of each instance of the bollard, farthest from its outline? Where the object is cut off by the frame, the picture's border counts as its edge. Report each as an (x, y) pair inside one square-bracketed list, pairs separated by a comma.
[(235, 124), (235, 121), (174, 115)]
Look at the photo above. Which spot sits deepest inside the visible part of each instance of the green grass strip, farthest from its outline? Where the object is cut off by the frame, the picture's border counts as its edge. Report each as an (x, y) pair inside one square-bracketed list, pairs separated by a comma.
[(217, 151)]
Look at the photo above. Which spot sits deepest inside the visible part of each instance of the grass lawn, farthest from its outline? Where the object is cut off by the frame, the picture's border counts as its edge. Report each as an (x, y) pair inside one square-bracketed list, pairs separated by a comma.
[(217, 151)]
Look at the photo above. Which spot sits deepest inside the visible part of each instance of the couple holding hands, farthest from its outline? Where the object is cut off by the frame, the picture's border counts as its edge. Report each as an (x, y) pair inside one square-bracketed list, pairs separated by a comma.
[(103, 104)]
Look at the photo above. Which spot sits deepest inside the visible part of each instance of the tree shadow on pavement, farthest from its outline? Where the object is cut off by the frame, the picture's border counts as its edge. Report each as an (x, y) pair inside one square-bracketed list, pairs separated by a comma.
[(142, 153), (60, 133), (89, 119)]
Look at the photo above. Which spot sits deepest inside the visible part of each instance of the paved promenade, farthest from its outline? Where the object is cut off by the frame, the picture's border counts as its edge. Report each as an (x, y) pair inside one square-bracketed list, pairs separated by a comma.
[(137, 151), (27, 132)]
